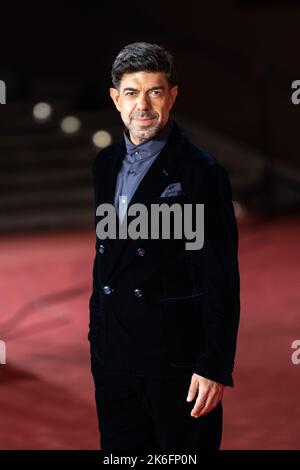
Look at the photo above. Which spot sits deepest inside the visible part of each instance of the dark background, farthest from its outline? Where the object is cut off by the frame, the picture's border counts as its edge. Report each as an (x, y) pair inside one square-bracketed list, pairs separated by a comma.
[(235, 61)]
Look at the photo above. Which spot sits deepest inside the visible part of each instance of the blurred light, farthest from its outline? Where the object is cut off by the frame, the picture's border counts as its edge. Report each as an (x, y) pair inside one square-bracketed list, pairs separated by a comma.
[(42, 111), (70, 124), (239, 210), (102, 139)]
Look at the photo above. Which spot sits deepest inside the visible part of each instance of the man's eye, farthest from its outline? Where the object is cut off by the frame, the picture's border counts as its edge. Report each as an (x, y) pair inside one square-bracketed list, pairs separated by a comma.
[(129, 93), (155, 92)]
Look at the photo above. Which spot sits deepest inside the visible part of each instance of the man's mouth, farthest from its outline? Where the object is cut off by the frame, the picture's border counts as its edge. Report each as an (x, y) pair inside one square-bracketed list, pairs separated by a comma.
[(145, 121)]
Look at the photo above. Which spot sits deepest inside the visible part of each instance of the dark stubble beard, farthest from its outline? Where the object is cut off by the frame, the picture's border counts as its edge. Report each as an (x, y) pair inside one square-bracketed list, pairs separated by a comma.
[(144, 134)]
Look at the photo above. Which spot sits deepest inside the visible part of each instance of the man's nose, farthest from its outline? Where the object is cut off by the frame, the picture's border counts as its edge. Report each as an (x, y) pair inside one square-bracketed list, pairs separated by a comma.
[(143, 103)]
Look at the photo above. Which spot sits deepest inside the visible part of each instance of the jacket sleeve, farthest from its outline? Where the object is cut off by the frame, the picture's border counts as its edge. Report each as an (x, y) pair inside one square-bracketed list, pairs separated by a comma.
[(94, 301), (221, 307)]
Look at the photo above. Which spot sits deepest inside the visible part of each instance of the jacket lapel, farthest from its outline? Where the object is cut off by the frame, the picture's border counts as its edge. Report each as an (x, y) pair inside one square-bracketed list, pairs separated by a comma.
[(152, 185), (161, 171)]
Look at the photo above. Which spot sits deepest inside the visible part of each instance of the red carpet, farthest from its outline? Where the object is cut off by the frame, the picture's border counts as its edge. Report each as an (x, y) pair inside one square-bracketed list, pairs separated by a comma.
[(46, 390)]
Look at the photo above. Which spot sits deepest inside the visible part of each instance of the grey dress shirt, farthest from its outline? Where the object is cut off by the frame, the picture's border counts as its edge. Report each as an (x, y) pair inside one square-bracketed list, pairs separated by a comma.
[(136, 163)]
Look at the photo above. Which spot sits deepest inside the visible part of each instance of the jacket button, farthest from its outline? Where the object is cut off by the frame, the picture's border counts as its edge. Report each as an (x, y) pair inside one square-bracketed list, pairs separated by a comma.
[(138, 292), (101, 248), (141, 251), (107, 290)]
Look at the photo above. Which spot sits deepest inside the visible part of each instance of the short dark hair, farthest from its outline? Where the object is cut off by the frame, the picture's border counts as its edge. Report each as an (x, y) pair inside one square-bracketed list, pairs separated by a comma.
[(143, 57)]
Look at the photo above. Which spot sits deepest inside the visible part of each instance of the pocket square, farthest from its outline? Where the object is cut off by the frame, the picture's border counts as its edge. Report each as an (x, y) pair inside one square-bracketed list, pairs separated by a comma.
[(173, 189)]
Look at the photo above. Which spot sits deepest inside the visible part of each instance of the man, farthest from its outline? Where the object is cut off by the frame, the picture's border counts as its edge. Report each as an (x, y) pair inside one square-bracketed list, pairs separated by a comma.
[(163, 319)]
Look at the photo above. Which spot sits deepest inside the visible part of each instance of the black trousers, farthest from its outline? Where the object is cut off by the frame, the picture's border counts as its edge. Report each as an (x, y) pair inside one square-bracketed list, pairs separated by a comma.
[(139, 413)]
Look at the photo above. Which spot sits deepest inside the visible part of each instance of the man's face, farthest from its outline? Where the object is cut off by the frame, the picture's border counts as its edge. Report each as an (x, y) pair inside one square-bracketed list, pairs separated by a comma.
[(144, 100)]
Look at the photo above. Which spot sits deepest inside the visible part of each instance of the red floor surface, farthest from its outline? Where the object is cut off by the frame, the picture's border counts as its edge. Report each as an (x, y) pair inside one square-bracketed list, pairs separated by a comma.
[(46, 390)]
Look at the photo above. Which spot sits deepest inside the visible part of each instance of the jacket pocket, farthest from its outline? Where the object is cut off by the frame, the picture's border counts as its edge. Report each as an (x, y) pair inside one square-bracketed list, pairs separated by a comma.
[(183, 328), (183, 297)]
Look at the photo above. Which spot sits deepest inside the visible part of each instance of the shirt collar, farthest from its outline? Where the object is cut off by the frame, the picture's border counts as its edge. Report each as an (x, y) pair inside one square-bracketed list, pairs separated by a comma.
[(149, 147)]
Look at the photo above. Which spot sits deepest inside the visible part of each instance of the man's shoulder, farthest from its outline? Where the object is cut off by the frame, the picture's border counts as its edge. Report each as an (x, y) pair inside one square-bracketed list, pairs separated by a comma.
[(106, 152), (104, 155), (201, 165), (198, 157)]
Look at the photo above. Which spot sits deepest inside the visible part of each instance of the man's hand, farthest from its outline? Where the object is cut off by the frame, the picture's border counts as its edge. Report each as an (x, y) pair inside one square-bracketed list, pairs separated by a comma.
[(209, 394)]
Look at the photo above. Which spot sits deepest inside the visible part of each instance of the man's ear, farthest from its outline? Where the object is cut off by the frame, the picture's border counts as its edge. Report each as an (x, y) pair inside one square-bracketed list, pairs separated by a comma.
[(173, 94), (114, 94)]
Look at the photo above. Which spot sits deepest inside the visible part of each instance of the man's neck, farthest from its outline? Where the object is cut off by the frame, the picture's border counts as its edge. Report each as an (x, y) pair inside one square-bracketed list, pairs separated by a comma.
[(142, 140)]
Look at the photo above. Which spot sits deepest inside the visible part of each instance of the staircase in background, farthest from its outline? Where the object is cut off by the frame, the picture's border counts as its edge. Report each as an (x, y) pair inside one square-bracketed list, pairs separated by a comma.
[(46, 175)]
